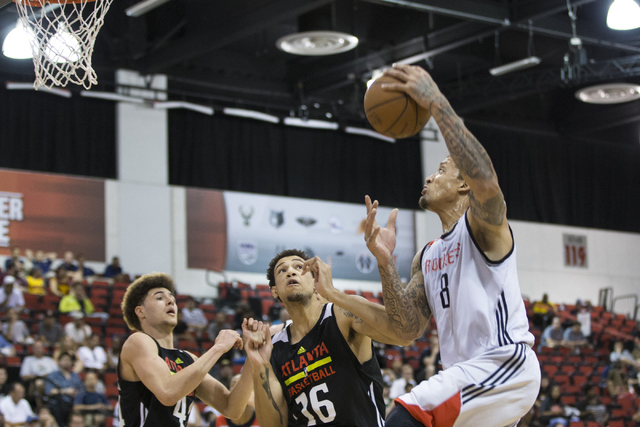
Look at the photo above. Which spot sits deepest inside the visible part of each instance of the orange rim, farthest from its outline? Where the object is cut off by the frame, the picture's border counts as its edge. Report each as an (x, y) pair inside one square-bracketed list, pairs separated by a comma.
[(42, 3)]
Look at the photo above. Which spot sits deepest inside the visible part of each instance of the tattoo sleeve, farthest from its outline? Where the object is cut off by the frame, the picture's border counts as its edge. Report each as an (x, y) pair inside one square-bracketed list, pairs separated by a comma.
[(406, 306), (267, 388)]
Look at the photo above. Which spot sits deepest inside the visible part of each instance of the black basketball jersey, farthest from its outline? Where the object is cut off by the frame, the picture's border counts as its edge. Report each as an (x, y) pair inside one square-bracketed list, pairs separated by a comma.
[(139, 407), (323, 382)]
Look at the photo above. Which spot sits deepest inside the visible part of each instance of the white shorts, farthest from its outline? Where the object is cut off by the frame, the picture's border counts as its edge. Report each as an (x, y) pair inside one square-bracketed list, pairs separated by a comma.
[(494, 389)]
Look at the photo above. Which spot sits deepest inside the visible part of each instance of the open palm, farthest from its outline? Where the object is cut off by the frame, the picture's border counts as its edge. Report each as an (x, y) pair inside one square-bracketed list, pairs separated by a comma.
[(380, 241)]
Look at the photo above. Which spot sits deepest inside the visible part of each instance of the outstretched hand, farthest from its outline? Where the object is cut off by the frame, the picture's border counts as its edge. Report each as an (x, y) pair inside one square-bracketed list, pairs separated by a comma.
[(380, 241), (229, 339), (322, 277)]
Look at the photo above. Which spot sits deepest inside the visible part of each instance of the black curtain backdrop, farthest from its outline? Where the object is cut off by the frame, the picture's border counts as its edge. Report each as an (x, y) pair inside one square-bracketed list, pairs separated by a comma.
[(568, 182), (236, 154), (48, 133)]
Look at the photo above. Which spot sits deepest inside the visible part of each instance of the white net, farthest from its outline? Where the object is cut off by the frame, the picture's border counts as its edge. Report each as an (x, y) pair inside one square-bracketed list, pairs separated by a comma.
[(62, 36)]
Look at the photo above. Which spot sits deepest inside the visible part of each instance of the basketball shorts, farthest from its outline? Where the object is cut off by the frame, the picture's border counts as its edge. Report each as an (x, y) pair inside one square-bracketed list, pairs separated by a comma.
[(494, 389)]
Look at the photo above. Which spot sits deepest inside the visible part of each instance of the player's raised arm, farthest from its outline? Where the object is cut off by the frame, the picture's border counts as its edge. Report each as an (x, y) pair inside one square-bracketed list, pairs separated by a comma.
[(140, 353), (406, 305), (487, 213), (365, 317), (271, 406)]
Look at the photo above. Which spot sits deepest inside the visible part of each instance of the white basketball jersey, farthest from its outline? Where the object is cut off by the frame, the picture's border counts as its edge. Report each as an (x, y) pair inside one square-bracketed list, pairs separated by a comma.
[(476, 302)]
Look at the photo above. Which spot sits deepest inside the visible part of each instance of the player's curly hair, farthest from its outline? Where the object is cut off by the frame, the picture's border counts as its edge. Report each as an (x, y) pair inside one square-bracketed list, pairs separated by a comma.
[(137, 292), (286, 253)]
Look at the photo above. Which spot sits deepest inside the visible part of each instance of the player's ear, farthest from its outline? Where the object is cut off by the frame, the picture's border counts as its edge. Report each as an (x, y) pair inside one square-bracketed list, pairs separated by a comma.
[(140, 312), (274, 292), (463, 188)]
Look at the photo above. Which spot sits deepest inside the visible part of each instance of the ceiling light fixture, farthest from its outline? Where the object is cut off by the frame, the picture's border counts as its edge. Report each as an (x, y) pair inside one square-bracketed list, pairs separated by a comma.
[(314, 124), (169, 105), (143, 7), (611, 93), (317, 43), (110, 96), (240, 112), (66, 93), (368, 132), (515, 66), (17, 44), (63, 46), (623, 15)]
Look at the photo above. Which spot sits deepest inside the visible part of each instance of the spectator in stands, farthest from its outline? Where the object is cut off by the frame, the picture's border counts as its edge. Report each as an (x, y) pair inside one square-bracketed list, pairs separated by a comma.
[(10, 295), (93, 355), (59, 284), (4, 385), (46, 419), (283, 316), (76, 420), (113, 352), (248, 417), (15, 407), (49, 329), (398, 386), (573, 337), (622, 354), (41, 260), (617, 380), (6, 347), (35, 282), (194, 317), (552, 407), (217, 325), (113, 269), (180, 332), (543, 312), (591, 408), (61, 387), (34, 369), (226, 372), (91, 404), (14, 259), (15, 330), (553, 335), (68, 262), (77, 329), (68, 345), (76, 301), (243, 311), (83, 269)]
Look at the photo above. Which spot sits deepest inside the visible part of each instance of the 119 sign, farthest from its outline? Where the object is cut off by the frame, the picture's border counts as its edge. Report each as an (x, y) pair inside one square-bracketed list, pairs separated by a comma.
[(575, 250)]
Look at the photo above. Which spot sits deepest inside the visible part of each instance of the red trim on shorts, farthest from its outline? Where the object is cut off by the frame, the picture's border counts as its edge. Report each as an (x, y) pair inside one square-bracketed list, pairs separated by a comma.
[(443, 415)]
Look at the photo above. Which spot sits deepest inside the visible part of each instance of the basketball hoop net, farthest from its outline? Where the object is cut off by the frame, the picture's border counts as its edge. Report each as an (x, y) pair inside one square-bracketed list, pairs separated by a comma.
[(62, 36)]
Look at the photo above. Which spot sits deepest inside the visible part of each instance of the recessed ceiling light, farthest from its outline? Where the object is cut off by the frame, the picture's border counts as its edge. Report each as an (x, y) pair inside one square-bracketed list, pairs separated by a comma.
[(317, 43), (611, 93)]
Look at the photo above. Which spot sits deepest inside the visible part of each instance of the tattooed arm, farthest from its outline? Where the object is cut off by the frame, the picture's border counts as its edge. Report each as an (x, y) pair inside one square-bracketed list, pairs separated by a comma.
[(271, 406), (487, 210), (406, 306), (355, 312)]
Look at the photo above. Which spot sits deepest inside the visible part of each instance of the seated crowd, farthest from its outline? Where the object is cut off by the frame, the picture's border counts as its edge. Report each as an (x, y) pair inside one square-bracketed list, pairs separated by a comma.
[(58, 361)]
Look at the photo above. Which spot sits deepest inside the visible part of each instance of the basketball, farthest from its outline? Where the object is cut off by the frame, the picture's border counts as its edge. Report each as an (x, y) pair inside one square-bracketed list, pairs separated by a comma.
[(393, 114)]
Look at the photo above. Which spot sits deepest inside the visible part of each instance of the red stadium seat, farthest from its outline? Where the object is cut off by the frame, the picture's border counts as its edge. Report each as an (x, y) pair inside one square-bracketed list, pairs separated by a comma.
[(568, 400)]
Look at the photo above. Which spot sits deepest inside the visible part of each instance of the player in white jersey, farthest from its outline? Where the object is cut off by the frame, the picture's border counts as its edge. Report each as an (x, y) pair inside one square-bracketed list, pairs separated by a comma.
[(467, 279)]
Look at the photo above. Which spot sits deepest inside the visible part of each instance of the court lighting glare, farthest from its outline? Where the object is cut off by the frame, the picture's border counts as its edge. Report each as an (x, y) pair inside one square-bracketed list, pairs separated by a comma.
[(313, 124), (250, 114), (169, 105), (63, 46), (368, 132), (623, 15), (29, 86), (515, 66), (143, 7), (17, 44)]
